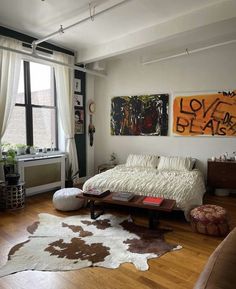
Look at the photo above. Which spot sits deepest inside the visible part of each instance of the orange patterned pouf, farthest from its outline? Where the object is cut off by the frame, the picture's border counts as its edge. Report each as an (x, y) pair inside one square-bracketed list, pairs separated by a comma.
[(210, 220)]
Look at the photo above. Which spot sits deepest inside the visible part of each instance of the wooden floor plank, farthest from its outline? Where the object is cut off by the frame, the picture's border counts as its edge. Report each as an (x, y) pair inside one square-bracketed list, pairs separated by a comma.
[(179, 269)]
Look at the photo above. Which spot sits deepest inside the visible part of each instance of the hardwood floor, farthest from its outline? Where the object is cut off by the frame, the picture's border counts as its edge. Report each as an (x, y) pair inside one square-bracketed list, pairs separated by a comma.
[(175, 270)]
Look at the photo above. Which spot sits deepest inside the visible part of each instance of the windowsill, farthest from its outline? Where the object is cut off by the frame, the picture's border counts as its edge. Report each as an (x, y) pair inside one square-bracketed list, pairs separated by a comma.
[(40, 156)]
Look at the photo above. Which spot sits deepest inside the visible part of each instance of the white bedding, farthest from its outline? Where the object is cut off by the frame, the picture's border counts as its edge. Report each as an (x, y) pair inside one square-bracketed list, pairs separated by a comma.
[(186, 187)]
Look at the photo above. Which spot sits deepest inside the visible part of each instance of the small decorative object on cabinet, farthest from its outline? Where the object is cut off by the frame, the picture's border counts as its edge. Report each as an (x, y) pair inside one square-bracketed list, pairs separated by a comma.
[(221, 174), (104, 167), (12, 196)]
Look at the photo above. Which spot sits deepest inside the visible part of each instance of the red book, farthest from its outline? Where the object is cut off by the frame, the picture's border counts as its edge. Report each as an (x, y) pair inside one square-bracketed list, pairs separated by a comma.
[(155, 201)]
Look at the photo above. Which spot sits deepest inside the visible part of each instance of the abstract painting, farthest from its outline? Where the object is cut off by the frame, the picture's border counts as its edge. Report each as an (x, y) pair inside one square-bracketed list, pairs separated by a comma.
[(140, 115), (205, 114)]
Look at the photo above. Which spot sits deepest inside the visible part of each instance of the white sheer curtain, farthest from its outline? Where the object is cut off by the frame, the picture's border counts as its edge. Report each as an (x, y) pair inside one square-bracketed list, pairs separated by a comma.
[(9, 78), (64, 87)]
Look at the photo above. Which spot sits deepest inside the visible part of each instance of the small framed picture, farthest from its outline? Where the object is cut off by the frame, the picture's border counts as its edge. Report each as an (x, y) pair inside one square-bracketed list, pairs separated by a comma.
[(79, 121), (77, 85), (78, 100)]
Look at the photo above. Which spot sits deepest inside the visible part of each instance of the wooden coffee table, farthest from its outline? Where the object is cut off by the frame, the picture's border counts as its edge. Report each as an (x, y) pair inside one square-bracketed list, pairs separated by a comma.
[(137, 202)]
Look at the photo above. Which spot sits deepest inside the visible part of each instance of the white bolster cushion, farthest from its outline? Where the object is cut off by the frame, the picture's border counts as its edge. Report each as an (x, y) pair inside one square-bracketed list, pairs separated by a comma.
[(148, 161), (175, 163)]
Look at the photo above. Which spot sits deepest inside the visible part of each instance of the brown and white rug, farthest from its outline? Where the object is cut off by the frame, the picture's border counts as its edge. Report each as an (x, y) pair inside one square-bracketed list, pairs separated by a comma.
[(60, 244)]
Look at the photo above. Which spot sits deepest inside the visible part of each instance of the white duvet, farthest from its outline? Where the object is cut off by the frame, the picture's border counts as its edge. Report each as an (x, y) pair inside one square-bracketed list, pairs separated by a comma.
[(186, 187)]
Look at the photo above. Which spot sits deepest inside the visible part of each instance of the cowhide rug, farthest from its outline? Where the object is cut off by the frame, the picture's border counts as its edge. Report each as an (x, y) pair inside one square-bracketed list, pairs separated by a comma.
[(60, 244)]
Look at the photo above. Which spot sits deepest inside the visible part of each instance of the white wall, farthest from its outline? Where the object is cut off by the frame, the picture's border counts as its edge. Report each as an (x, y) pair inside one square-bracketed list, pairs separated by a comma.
[(209, 70)]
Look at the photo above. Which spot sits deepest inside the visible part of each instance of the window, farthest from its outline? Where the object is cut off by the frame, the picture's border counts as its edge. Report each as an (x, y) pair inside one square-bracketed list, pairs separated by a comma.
[(33, 120)]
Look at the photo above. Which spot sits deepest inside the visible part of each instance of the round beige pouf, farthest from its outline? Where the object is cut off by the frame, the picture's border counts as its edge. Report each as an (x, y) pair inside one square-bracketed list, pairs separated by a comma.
[(65, 199), (210, 220)]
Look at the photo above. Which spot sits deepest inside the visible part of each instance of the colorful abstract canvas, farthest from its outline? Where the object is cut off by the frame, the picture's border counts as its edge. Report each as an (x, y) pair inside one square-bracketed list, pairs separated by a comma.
[(140, 115), (205, 114)]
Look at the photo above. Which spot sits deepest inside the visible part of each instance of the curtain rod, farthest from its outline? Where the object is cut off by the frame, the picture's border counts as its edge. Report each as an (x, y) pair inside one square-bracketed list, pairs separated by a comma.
[(188, 52), (34, 55)]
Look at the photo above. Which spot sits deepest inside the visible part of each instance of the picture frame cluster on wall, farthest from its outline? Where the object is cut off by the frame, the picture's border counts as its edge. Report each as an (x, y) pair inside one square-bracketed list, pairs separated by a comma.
[(78, 101)]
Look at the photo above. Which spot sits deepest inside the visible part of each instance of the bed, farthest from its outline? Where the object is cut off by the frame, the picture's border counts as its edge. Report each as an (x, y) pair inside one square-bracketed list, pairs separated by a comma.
[(168, 177)]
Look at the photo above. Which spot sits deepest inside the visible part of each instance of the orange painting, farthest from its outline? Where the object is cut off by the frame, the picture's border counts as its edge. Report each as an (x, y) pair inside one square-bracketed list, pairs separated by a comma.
[(207, 114)]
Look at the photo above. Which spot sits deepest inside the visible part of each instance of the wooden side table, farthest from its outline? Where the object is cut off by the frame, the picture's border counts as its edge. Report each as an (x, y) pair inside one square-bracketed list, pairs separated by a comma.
[(104, 167), (12, 196), (221, 174)]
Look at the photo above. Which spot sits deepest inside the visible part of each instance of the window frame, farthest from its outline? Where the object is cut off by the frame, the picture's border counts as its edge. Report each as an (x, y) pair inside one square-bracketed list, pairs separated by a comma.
[(29, 106)]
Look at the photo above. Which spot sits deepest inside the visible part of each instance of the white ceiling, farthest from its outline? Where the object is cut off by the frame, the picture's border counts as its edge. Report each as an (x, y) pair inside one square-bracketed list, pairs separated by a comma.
[(148, 27)]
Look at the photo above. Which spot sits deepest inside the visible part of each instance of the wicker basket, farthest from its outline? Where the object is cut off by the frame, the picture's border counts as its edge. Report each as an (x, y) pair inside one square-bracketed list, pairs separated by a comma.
[(12, 196)]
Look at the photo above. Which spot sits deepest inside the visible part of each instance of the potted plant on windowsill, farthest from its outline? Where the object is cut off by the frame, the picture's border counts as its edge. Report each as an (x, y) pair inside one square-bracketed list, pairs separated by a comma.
[(21, 148), (10, 167)]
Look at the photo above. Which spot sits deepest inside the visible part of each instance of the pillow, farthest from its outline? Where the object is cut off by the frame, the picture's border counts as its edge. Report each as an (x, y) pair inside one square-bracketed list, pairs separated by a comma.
[(148, 161), (175, 163)]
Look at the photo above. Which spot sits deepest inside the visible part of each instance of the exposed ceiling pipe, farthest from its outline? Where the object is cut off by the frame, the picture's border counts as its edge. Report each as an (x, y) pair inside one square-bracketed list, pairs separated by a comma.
[(54, 61), (34, 44), (188, 52), (62, 30)]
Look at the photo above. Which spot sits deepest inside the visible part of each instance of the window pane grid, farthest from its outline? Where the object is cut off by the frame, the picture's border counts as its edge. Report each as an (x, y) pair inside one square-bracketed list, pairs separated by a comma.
[(16, 129), (34, 115), (44, 127), (44, 106), (42, 88)]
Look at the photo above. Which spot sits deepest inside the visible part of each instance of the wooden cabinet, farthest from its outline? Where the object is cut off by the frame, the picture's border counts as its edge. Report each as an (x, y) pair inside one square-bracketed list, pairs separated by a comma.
[(221, 174)]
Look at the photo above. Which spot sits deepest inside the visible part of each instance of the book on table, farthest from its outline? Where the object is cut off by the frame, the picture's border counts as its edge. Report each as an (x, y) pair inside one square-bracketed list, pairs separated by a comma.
[(154, 201), (96, 193), (123, 196)]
